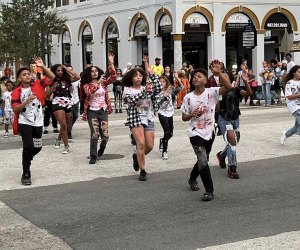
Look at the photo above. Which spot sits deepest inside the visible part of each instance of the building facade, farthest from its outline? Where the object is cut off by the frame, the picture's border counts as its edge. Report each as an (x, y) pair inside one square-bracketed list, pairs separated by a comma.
[(176, 31)]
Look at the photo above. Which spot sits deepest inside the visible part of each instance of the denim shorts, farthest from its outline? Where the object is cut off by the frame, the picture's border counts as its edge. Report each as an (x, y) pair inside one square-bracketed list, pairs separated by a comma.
[(149, 127)]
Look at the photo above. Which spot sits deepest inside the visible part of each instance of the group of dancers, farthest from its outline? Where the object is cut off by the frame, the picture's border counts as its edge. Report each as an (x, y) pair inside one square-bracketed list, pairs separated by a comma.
[(145, 95)]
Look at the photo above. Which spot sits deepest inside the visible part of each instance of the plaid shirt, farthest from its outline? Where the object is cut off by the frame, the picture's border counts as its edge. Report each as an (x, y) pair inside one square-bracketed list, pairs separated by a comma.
[(90, 89), (133, 118)]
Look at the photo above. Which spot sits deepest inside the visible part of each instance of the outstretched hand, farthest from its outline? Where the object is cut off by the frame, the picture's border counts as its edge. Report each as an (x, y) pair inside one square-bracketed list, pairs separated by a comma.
[(216, 67), (110, 58), (39, 62)]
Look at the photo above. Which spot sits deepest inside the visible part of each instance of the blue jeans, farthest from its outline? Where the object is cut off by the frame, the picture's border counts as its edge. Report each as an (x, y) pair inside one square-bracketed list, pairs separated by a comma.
[(266, 87), (296, 128), (229, 150)]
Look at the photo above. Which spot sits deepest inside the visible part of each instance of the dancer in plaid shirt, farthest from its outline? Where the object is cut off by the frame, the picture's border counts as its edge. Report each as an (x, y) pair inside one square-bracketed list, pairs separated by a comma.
[(140, 96)]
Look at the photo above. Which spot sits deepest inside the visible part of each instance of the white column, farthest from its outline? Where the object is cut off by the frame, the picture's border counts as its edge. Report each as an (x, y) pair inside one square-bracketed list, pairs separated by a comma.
[(258, 54), (177, 54), (218, 38), (210, 49), (155, 49)]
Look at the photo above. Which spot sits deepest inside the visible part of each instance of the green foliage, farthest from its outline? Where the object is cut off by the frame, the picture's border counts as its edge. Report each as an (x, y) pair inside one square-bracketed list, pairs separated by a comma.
[(25, 29)]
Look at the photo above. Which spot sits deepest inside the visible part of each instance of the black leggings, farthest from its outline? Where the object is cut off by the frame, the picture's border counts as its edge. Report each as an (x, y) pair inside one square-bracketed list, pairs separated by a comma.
[(32, 144), (167, 125), (118, 100)]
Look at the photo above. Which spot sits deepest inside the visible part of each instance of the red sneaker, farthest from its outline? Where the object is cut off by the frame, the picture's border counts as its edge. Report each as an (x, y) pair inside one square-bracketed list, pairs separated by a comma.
[(221, 160)]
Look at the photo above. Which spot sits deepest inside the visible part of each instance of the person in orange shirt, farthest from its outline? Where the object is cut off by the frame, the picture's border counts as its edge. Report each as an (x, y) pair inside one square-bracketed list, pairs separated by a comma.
[(186, 84)]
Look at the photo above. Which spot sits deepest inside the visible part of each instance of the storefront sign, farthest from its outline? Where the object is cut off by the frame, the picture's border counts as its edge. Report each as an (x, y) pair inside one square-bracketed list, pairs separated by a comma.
[(278, 21), (249, 36), (195, 23), (295, 46), (271, 40), (237, 22)]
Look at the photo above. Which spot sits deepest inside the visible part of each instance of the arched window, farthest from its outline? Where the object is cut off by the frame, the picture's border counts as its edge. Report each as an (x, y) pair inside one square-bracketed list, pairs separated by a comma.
[(66, 47), (112, 35), (87, 46)]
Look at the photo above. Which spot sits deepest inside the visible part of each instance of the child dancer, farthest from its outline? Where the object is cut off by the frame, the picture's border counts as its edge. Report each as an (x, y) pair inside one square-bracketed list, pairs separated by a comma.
[(199, 108), (27, 101), (97, 105), (166, 110), (8, 113), (141, 100)]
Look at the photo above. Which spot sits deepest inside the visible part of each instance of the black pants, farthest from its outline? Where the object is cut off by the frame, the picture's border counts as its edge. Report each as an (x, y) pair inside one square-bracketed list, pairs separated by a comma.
[(202, 149), (118, 100), (98, 123), (167, 125), (47, 113), (32, 144), (74, 112)]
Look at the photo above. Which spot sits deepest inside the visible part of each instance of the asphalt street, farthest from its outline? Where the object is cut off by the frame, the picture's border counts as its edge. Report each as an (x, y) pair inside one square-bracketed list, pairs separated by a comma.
[(72, 205)]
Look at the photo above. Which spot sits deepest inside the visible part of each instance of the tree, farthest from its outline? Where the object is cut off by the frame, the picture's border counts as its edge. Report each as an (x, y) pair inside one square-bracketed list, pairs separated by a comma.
[(25, 29)]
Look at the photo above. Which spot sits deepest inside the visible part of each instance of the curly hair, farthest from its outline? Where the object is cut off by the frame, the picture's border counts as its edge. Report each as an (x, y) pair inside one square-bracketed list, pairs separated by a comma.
[(293, 70), (86, 74), (128, 77), (65, 76)]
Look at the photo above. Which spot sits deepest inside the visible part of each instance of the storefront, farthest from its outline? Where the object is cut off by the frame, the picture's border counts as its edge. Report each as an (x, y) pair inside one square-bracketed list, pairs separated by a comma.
[(194, 41), (278, 39), (66, 47), (87, 46), (112, 35), (235, 51), (141, 35), (164, 31)]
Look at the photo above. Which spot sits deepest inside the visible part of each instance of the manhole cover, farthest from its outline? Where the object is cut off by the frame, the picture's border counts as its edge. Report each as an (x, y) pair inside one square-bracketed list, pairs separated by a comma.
[(108, 157)]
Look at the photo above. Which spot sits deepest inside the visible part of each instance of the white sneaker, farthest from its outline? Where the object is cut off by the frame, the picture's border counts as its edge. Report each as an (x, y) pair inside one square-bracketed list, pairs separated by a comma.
[(283, 137), (66, 150), (5, 135), (57, 144), (165, 156)]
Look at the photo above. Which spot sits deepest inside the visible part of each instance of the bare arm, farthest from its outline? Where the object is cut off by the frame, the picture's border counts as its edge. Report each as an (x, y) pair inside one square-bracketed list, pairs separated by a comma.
[(248, 91), (18, 108), (39, 62)]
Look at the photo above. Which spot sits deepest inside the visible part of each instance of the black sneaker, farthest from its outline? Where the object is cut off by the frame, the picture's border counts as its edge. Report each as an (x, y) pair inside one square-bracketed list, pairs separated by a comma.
[(70, 135), (45, 132), (221, 160), (55, 131), (143, 175), (136, 166), (231, 173), (161, 144), (101, 152), (193, 185), (116, 111), (207, 197), (26, 178), (120, 111), (93, 159)]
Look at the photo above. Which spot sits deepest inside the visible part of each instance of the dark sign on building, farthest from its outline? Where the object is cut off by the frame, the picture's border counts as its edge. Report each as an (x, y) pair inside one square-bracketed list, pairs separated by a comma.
[(249, 36), (278, 21)]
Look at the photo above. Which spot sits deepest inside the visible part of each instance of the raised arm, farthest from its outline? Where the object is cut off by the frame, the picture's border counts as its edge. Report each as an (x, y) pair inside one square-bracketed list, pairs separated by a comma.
[(245, 78), (217, 70), (39, 62)]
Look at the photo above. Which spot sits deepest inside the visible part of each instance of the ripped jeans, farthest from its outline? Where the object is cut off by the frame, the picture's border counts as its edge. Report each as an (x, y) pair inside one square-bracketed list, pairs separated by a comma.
[(98, 123), (296, 128), (229, 150)]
